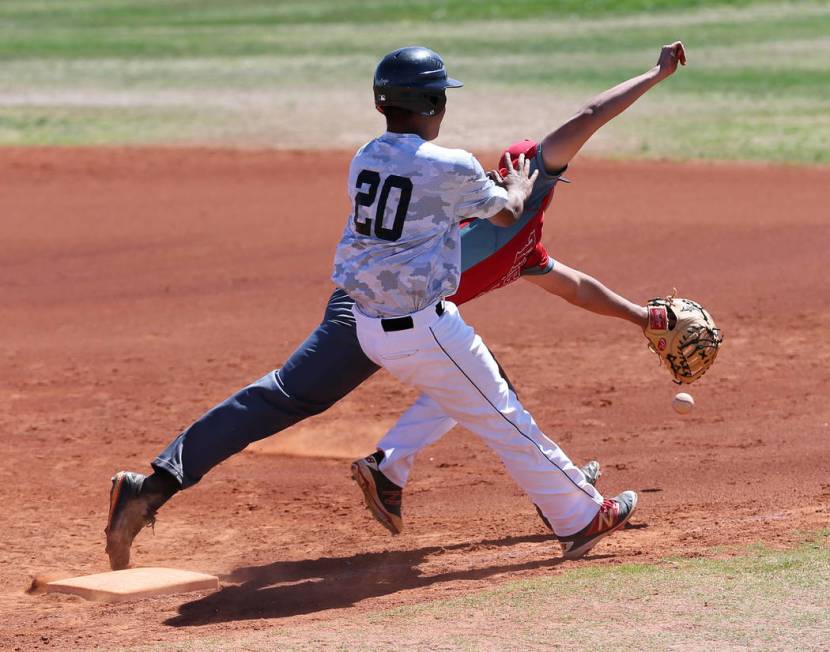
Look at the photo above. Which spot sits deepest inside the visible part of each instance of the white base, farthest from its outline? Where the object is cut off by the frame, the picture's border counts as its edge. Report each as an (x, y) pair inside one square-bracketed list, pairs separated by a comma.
[(133, 584)]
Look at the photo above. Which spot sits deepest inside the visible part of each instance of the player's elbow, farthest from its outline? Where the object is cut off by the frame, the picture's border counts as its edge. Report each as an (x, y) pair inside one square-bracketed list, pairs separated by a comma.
[(590, 118), (569, 291), (568, 284), (588, 111)]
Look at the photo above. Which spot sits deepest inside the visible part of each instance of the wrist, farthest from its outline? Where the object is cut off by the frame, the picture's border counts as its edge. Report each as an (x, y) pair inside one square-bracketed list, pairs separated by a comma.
[(515, 201), (657, 74), (641, 316)]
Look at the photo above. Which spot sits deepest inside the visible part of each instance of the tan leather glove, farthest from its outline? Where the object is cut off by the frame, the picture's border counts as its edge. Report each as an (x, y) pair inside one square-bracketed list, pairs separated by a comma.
[(684, 337)]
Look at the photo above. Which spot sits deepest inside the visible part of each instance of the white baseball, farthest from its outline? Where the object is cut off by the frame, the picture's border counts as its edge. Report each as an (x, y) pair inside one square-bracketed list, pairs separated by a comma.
[(683, 403)]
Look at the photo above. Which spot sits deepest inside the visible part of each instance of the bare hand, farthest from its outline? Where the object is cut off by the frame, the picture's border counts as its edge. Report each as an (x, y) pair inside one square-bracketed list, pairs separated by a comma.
[(495, 177), (518, 179), (670, 56)]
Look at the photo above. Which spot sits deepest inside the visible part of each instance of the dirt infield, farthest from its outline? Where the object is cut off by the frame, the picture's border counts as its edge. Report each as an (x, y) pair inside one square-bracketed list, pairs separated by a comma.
[(141, 286)]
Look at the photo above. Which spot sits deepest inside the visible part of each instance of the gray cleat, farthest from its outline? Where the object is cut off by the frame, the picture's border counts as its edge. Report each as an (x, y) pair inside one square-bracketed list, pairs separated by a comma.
[(612, 515)]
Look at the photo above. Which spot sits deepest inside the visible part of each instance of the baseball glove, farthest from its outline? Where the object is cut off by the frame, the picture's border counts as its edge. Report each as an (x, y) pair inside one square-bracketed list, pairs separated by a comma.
[(683, 335)]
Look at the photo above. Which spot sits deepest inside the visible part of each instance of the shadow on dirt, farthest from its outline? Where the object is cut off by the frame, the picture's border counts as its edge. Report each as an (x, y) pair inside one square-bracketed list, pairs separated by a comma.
[(290, 588)]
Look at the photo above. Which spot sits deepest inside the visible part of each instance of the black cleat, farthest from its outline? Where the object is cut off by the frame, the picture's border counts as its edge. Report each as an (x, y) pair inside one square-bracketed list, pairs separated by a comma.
[(129, 513), (382, 496)]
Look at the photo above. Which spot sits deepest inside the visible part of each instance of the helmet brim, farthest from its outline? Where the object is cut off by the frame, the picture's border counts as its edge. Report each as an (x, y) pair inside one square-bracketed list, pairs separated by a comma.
[(439, 84)]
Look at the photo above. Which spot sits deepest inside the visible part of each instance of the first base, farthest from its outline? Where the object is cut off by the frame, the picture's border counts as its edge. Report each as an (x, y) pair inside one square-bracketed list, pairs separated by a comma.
[(133, 584)]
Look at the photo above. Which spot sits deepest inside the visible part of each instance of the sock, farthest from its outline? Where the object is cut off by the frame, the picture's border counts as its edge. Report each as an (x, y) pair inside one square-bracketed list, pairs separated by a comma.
[(159, 487)]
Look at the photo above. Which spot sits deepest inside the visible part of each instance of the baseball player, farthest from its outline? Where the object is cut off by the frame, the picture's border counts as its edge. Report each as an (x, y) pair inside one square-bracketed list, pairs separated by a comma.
[(382, 475), (330, 363)]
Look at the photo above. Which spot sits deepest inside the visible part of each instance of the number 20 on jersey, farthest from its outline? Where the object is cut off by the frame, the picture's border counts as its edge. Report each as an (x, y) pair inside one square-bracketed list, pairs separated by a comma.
[(368, 182)]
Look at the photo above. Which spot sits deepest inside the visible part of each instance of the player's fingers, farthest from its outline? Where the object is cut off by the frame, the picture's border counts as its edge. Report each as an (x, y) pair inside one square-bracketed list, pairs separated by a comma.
[(534, 175), (508, 163), (676, 52), (680, 51), (495, 176), (521, 162)]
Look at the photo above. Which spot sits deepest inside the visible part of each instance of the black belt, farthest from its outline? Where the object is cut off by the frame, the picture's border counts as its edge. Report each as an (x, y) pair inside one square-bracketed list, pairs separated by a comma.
[(405, 323)]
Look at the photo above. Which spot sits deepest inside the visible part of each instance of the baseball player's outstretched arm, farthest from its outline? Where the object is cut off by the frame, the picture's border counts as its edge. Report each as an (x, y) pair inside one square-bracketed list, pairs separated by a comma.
[(560, 146), (587, 292)]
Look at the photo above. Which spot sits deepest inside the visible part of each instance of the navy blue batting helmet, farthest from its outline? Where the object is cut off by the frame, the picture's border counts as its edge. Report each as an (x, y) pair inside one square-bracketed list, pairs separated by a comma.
[(413, 78)]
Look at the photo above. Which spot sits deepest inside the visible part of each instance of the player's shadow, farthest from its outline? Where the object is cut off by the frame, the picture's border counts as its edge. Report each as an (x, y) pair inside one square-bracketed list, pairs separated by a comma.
[(290, 588)]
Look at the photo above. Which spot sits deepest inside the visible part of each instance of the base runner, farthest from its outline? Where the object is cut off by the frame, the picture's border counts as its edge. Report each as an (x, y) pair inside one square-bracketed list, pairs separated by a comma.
[(330, 363)]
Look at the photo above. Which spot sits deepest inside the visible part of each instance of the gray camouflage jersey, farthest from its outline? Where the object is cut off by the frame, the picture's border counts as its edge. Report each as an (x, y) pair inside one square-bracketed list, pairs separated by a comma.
[(401, 249)]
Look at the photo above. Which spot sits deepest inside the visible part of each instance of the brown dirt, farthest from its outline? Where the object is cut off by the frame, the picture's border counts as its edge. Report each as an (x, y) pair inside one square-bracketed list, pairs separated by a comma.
[(141, 286)]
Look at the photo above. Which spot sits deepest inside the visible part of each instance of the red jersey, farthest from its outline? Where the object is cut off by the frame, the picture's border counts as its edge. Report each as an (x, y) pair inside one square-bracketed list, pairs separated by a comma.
[(493, 256)]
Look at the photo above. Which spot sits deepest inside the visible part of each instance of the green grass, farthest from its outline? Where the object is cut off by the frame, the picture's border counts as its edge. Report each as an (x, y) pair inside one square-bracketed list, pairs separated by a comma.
[(204, 71), (90, 126), (760, 599), (219, 13)]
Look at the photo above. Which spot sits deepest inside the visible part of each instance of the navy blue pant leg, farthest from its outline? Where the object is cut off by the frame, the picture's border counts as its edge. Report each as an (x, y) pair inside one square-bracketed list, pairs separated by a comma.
[(321, 371)]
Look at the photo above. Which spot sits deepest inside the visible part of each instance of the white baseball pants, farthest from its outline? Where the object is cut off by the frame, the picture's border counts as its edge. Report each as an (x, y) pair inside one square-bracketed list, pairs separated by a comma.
[(446, 360), (422, 424)]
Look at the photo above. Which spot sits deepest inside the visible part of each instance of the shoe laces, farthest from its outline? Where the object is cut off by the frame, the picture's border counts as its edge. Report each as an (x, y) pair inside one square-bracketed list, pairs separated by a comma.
[(606, 516)]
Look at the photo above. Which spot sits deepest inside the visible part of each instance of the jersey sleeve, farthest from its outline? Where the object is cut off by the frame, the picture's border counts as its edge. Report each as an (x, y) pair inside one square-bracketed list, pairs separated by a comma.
[(538, 263), (480, 197), (544, 182)]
